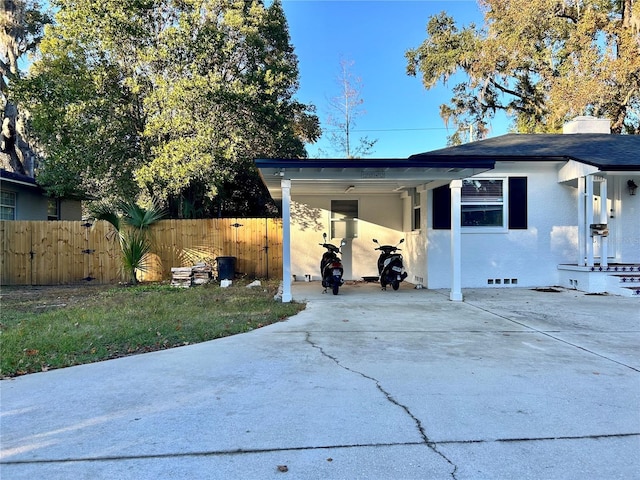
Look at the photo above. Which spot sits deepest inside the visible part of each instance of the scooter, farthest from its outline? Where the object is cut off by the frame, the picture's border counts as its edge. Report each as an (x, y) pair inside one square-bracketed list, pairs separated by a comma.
[(390, 267), (331, 268)]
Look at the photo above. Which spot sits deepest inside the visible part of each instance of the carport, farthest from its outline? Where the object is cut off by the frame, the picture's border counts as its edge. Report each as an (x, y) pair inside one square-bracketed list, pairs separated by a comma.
[(284, 177)]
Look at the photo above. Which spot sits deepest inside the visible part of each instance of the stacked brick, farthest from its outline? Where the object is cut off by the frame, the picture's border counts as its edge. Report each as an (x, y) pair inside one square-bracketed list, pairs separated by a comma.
[(186, 277)]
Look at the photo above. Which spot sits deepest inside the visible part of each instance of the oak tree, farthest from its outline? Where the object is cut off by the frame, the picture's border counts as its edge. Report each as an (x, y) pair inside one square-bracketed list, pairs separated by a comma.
[(171, 99), (541, 61), (21, 27)]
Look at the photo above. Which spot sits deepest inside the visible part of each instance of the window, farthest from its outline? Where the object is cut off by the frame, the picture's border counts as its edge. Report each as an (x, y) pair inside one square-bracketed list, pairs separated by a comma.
[(415, 203), (344, 218), (7, 205), (53, 209), (482, 203)]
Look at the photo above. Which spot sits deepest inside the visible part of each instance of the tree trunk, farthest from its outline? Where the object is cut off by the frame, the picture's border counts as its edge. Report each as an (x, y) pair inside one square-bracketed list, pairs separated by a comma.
[(18, 154), (626, 13), (10, 143)]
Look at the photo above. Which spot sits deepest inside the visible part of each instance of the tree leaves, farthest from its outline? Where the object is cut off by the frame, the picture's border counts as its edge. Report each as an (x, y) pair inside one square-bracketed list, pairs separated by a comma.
[(131, 222), (165, 97), (540, 61)]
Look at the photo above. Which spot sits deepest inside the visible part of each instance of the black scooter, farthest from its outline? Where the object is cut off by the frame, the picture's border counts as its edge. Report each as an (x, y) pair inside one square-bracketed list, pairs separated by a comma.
[(331, 269), (390, 266)]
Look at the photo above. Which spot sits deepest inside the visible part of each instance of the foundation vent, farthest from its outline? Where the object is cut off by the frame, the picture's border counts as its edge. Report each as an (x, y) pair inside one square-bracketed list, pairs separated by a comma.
[(502, 281)]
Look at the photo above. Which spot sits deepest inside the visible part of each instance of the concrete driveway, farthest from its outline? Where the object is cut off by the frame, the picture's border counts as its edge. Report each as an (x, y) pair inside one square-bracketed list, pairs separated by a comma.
[(509, 384)]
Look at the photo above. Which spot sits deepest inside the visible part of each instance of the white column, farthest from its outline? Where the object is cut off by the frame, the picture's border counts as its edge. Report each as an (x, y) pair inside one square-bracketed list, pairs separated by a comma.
[(286, 240), (456, 242), (582, 227), (589, 219), (604, 219)]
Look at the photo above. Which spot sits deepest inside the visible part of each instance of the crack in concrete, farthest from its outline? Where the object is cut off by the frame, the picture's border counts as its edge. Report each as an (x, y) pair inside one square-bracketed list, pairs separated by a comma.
[(242, 451), (542, 439), (239, 451), (431, 445)]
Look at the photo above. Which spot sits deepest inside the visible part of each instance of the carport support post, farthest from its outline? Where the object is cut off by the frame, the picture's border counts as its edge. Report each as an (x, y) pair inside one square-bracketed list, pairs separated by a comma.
[(456, 242), (604, 219), (582, 221), (589, 215), (286, 240)]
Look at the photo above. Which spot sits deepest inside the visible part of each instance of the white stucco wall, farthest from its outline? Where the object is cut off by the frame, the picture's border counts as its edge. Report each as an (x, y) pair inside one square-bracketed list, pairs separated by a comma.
[(379, 217), (414, 249), (526, 258), (415, 257), (627, 220), (530, 257)]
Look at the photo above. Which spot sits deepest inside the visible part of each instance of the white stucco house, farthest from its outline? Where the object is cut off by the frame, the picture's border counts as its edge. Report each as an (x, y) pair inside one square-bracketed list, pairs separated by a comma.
[(511, 211)]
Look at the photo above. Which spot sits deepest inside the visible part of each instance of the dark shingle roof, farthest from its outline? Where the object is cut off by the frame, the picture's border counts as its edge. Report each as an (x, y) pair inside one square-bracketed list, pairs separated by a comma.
[(13, 177), (607, 152)]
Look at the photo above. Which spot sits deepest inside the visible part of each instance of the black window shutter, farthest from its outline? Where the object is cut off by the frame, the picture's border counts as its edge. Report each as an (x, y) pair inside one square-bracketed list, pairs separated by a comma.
[(518, 203), (441, 208)]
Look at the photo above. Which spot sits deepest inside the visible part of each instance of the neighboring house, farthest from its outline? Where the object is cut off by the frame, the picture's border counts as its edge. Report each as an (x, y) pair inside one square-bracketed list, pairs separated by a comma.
[(510, 211), (21, 198)]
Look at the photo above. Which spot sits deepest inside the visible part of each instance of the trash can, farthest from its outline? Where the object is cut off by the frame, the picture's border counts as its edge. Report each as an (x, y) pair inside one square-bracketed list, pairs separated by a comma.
[(226, 268)]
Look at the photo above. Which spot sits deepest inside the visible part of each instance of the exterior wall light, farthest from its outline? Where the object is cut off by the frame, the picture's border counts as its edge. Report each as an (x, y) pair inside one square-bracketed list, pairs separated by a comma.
[(632, 187)]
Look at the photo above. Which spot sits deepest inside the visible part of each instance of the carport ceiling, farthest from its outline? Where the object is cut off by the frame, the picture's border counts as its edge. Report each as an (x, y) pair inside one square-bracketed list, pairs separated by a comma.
[(365, 176)]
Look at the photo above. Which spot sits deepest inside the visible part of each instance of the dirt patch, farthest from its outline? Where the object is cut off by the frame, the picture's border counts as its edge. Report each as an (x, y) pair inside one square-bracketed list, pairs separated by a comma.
[(548, 290), (54, 296)]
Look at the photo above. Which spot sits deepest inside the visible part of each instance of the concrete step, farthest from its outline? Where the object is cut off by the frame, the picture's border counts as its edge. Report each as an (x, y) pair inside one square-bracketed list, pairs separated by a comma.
[(624, 284)]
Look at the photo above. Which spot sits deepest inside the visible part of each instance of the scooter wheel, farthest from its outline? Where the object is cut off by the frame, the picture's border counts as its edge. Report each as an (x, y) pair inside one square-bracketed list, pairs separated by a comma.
[(395, 285), (335, 289)]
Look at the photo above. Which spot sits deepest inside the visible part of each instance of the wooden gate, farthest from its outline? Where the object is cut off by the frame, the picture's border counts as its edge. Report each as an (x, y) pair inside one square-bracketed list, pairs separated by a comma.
[(58, 253)]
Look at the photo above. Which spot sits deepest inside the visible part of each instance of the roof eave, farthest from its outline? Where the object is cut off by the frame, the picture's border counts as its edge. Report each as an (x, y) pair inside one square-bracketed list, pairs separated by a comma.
[(442, 161), (18, 179)]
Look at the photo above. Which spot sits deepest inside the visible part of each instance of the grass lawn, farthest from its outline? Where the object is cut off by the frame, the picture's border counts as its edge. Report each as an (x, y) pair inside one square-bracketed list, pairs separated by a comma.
[(43, 328)]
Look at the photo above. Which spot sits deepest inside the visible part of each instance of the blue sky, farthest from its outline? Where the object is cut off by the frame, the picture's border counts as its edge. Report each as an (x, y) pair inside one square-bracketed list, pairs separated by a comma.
[(375, 34)]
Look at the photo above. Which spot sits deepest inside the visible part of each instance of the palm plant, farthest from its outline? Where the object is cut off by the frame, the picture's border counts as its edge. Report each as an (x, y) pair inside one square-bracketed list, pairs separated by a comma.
[(131, 223)]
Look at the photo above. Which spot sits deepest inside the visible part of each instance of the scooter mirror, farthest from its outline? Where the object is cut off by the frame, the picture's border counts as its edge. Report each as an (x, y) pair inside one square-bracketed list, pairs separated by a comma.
[(343, 243), (324, 235), (375, 241), (401, 241)]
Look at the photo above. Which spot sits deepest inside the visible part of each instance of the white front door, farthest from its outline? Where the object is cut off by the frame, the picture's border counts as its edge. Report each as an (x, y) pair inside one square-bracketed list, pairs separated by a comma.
[(612, 211)]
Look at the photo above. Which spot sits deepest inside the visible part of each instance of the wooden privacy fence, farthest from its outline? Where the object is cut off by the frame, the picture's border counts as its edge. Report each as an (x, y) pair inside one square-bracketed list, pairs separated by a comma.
[(61, 252)]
